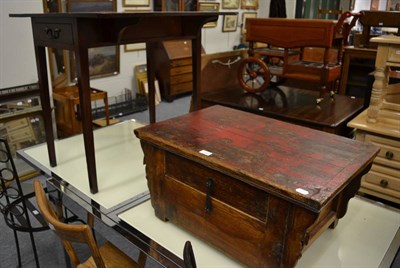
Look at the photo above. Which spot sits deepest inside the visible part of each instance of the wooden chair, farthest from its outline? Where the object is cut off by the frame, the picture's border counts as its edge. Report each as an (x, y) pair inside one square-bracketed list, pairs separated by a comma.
[(104, 256), (188, 256)]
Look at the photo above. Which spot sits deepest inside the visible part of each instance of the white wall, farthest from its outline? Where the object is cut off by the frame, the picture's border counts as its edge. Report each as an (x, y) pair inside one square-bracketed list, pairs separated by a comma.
[(17, 56), (18, 65)]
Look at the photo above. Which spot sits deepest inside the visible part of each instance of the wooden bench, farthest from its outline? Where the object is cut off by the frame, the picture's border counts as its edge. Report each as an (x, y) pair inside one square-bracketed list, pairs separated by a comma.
[(287, 40)]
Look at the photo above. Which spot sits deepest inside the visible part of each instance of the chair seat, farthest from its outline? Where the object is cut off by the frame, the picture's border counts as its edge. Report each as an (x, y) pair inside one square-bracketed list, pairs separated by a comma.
[(112, 257)]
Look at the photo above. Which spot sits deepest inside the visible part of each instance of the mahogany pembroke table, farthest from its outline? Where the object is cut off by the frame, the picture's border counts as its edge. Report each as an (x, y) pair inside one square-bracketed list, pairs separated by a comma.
[(80, 31)]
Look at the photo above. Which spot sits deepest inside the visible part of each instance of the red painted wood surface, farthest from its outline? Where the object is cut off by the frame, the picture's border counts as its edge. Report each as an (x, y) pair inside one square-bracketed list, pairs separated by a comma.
[(272, 155)]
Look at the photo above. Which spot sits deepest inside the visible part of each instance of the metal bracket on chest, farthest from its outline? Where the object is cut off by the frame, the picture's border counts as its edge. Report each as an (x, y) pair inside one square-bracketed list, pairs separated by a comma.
[(210, 187)]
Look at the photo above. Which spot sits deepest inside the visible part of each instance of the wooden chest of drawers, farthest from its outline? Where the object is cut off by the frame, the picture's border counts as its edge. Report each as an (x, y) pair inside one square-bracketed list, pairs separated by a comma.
[(174, 67), (259, 189), (383, 180)]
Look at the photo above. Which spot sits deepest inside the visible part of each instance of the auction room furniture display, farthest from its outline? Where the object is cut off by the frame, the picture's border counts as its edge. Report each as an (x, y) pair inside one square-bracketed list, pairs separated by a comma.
[(259, 189), (133, 222), (359, 59), (283, 58), (174, 67), (80, 31), (380, 124)]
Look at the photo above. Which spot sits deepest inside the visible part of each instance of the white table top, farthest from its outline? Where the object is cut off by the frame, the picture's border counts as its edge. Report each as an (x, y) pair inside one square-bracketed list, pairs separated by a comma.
[(119, 162), (361, 238)]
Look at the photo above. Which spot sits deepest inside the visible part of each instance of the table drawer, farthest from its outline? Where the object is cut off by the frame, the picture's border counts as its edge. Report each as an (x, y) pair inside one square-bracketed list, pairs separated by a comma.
[(181, 78), (385, 179), (181, 62), (218, 186), (56, 33), (389, 154), (394, 54), (181, 70), (181, 88)]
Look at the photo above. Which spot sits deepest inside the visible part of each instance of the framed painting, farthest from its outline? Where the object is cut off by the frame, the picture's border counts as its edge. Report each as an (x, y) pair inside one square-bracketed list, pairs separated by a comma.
[(393, 5), (208, 7), (230, 4), (136, 3), (103, 61), (91, 5), (245, 16), (135, 47), (230, 23), (249, 4)]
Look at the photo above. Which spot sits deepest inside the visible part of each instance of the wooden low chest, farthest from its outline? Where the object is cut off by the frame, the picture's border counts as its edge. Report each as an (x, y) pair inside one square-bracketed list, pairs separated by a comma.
[(259, 189)]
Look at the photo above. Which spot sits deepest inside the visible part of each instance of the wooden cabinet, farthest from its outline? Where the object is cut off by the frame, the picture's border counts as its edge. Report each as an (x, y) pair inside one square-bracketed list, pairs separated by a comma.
[(173, 61), (231, 178), (380, 124), (357, 64), (359, 60)]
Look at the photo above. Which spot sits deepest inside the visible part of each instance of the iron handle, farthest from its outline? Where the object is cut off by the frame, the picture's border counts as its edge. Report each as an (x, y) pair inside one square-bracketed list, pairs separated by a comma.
[(384, 183), (389, 155), (52, 34), (209, 189)]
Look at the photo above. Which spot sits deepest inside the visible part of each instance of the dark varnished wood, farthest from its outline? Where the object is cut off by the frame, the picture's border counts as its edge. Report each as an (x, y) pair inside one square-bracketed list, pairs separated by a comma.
[(80, 31), (257, 214), (291, 36), (291, 105)]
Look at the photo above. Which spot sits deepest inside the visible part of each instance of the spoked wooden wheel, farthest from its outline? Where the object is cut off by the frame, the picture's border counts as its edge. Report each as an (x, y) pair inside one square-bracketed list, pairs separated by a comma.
[(253, 75)]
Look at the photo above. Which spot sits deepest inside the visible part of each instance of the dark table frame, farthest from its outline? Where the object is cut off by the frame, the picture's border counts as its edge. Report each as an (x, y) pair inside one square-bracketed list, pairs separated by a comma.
[(80, 31)]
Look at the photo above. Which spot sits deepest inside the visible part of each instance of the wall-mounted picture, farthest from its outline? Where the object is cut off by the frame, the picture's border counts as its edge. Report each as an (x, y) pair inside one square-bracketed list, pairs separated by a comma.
[(208, 7), (393, 5), (249, 4), (91, 5), (135, 47), (230, 4), (245, 16), (136, 3), (103, 61), (230, 23)]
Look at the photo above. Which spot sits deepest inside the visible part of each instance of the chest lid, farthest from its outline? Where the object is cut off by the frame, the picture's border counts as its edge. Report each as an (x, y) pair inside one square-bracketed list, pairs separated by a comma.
[(300, 164)]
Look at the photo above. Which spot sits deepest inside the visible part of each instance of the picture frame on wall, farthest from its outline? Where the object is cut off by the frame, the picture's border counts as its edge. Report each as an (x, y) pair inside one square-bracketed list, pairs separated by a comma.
[(230, 4), (393, 5), (135, 47), (136, 3), (91, 5), (249, 4), (245, 16), (208, 7), (230, 23), (103, 61)]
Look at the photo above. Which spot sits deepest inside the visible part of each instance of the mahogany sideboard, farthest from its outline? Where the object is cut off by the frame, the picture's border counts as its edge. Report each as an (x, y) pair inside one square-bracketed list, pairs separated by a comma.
[(259, 189), (80, 31)]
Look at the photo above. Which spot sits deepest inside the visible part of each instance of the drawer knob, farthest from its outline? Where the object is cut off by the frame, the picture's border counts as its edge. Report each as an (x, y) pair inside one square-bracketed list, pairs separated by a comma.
[(209, 189), (384, 183), (52, 34), (389, 155)]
